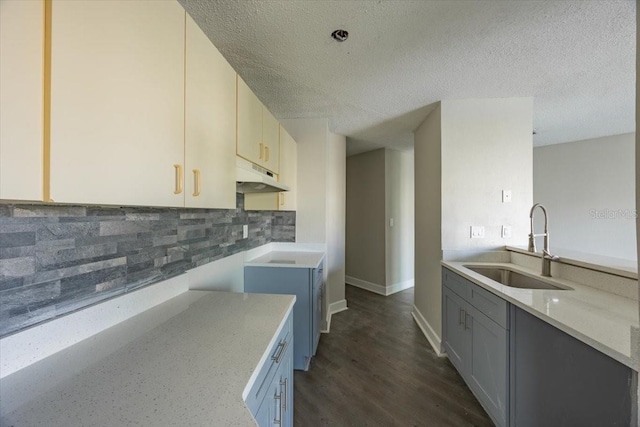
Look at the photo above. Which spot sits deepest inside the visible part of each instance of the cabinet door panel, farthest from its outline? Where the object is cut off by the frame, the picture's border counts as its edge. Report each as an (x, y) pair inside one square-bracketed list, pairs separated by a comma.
[(261, 201), (21, 99), (555, 376), (271, 139), (249, 119), (487, 364), (210, 124), (454, 333), (289, 281), (117, 102)]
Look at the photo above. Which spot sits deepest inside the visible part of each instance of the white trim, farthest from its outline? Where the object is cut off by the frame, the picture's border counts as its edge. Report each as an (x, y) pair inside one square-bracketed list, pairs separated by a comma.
[(379, 289), (400, 286), (334, 307), (428, 332), (363, 284)]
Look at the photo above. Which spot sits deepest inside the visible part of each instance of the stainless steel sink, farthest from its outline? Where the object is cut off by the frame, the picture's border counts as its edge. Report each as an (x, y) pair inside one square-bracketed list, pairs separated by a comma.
[(515, 279)]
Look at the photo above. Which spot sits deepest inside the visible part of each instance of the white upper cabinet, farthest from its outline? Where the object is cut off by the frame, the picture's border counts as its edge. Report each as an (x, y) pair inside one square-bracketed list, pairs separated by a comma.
[(271, 139), (286, 200), (21, 99), (258, 139), (210, 124), (117, 102), (249, 145), (288, 171)]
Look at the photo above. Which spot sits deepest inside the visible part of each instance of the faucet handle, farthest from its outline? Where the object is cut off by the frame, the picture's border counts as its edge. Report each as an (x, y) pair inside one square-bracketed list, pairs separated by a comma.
[(547, 254)]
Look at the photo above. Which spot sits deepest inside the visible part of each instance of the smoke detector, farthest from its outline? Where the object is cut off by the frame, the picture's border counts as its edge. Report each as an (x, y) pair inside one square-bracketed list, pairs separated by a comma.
[(340, 35)]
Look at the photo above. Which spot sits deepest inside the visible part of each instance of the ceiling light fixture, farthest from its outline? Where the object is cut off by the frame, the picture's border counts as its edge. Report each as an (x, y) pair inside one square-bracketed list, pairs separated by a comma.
[(340, 35)]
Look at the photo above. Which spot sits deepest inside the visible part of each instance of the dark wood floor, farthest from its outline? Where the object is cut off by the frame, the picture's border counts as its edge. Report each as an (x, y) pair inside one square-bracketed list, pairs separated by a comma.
[(376, 368)]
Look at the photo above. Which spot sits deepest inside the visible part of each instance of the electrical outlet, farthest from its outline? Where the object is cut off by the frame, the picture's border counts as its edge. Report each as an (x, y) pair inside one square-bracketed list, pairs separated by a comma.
[(245, 231), (390, 222), (506, 232), (506, 196), (477, 232)]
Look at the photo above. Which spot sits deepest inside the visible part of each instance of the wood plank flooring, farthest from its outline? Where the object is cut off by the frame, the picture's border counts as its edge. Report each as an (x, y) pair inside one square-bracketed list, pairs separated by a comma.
[(376, 368)]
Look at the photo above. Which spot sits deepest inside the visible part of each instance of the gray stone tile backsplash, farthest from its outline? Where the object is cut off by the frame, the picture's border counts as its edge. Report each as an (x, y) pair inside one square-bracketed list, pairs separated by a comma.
[(57, 259)]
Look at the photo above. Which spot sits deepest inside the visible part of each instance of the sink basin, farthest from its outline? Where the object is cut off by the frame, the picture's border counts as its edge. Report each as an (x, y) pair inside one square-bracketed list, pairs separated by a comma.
[(514, 279)]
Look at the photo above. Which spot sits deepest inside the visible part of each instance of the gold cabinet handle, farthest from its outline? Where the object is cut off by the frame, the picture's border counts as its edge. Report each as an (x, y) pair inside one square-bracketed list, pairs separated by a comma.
[(281, 199), (179, 176), (196, 182), (261, 151), (266, 153)]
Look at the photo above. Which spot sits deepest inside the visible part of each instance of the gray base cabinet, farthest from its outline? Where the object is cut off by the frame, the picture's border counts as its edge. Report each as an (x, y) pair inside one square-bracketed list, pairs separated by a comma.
[(308, 287), (557, 380), (270, 400), (525, 372), (476, 343)]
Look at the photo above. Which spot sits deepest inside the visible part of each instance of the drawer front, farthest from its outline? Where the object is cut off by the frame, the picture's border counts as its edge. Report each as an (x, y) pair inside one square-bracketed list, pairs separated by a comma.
[(456, 283), (276, 356), (492, 306)]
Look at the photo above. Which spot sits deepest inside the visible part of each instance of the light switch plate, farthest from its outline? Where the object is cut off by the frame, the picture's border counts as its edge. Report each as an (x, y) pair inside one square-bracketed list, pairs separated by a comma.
[(506, 196), (506, 232), (477, 232), (390, 222), (245, 231)]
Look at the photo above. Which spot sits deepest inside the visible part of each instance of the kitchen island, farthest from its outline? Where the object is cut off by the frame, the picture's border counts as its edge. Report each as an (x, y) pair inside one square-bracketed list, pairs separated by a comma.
[(189, 361)]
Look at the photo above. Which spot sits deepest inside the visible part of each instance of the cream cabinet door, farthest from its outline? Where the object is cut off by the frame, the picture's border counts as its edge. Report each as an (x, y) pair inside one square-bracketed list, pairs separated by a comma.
[(117, 102), (286, 200), (249, 139), (288, 171), (271, 140), (21, 99), (210, 124)]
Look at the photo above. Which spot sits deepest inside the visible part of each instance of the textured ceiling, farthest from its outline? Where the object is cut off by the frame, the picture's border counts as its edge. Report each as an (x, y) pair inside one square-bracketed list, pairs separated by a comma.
[(575, 58)]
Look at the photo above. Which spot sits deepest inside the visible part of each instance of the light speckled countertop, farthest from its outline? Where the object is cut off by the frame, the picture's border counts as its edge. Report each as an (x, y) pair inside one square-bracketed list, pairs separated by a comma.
[(188, 361), (302, 259), (600, 319)]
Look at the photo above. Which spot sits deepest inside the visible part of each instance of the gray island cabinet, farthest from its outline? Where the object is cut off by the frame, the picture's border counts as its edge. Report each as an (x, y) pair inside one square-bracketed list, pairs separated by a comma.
[(526, 372), (307, 285)]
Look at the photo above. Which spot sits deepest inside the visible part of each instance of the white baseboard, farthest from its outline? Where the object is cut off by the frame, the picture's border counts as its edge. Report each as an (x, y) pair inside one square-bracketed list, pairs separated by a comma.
[(379, 289), (400, 286), (428, 332), (334, 307), (363, 284)]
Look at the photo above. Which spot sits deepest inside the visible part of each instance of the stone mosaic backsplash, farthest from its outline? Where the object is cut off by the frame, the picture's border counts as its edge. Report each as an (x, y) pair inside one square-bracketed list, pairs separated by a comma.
[(57, 259)]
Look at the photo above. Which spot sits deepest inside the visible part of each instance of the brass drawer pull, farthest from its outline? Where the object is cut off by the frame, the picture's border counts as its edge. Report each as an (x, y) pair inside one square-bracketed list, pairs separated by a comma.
[(178, 184)]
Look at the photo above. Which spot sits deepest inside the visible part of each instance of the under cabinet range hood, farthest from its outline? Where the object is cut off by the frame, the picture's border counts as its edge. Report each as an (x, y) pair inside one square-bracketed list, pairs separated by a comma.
[(252, 178)]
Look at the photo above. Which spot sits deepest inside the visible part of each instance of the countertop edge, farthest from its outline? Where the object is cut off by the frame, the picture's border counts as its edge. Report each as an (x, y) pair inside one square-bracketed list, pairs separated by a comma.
[(265, 355), (616, 355), (315, 264)]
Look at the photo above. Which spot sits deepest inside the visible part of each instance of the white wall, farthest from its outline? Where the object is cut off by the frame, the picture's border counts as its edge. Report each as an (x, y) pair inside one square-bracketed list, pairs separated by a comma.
[(588, 187), (428, 219), (366, 217), (320, 215), (399, 195), (311, 138), (637, 350), (466, 153), (486, 148), (380, 257), (336, 216)]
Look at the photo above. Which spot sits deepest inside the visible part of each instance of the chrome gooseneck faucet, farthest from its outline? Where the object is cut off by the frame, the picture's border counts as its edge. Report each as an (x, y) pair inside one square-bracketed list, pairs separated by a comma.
[(546, 255)]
